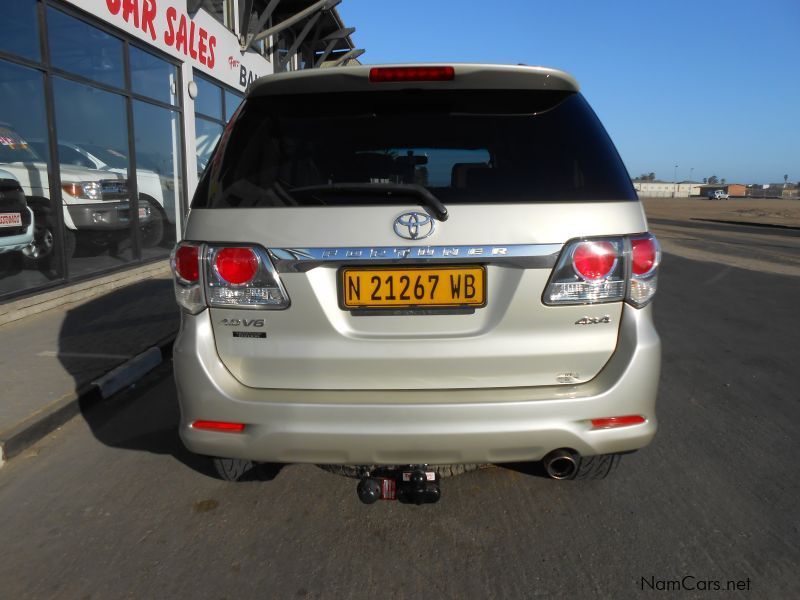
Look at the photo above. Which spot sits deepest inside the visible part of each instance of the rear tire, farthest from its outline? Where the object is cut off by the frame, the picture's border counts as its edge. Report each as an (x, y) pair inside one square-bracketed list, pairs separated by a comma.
[(40, 253), (232, 469), (597, 467)]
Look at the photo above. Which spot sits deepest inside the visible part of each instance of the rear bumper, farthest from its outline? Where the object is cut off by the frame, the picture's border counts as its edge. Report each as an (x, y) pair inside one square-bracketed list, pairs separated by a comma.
[(417, 426)]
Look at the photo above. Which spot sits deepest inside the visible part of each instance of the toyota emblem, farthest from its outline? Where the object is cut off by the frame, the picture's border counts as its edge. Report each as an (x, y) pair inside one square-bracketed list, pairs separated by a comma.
[(414, 225)]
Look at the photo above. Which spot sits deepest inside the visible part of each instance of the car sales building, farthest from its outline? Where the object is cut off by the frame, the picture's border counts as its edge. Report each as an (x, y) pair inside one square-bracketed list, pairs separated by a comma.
[(110, 110)]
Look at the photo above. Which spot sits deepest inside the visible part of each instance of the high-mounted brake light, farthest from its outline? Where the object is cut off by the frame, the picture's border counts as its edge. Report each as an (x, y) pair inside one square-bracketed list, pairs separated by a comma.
[(402, 74), (219, 426), (612, 422), (236, 265)]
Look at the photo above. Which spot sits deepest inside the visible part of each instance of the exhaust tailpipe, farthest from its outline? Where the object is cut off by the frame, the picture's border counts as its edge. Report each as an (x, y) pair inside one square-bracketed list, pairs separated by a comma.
[(562, 463)]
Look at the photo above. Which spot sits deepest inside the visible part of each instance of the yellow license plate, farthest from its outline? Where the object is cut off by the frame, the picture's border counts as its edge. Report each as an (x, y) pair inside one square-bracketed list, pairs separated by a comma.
[(399, 287)]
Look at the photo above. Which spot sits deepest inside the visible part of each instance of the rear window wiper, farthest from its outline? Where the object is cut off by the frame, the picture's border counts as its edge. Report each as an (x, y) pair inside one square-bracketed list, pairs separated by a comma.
[(426, 198)]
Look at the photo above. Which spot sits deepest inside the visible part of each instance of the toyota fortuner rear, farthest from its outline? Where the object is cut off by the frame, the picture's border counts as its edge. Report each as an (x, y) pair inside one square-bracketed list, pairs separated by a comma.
[(416, 265)]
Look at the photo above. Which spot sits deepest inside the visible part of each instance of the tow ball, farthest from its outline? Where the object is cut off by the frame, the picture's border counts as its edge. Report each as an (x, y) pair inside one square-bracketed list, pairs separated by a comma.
[(415, 484)]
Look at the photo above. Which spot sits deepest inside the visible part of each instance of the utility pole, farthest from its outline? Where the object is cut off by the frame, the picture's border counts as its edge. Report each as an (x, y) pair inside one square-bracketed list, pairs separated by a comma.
[(675, 182)]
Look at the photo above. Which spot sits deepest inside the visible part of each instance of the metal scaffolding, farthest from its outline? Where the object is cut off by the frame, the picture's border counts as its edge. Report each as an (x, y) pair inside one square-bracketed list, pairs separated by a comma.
[(296, 34)]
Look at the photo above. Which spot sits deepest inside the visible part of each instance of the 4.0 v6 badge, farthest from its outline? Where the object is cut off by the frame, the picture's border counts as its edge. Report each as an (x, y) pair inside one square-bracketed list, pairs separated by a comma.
[(243, 322)]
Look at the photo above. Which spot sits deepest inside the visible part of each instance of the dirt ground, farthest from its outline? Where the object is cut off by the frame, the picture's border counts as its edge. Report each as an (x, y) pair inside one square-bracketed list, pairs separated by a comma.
[(741, 210)]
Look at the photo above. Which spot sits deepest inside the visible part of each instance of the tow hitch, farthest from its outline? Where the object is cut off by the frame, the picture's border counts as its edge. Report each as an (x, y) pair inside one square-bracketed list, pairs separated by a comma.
[(414, 484)]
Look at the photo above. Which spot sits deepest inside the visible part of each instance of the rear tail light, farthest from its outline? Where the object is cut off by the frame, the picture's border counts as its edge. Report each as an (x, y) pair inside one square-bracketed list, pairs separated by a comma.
[(403, 74), (645, 258), (594, 261), (588, 271), (185, 262), (226, 276), (243, 277), (237, 266), (605, 270)]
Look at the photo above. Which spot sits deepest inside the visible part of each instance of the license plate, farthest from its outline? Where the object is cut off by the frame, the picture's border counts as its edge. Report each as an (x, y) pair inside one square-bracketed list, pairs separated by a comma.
[(10, 220), (399, 287)]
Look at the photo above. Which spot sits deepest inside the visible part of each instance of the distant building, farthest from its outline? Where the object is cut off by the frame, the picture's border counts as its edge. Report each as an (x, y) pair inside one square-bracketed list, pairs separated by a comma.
[(773, 190), (732, 189), (664, 189)]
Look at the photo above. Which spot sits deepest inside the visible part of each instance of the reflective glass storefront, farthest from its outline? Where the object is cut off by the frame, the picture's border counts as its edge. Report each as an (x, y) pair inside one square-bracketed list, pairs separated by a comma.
[(92, 172), (213, 107)]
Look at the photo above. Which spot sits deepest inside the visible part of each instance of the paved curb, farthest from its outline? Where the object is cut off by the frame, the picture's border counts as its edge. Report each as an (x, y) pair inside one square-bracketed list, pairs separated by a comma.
[(21, 436), (16, 310)]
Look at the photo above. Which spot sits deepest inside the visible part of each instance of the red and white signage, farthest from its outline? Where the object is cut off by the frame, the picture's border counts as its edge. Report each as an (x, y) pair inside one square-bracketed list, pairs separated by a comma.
[(10, 220), (203, 41)]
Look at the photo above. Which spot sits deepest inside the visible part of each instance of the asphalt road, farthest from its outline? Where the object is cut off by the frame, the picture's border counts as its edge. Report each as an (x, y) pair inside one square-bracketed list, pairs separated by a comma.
[(111, 506)]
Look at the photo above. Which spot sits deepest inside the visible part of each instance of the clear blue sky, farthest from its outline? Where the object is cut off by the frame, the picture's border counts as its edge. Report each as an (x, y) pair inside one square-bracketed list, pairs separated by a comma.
[(704, 84)]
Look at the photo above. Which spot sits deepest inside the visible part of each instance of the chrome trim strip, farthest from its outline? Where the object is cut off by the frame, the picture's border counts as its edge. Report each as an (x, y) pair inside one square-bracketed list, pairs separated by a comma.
[(520, 256)]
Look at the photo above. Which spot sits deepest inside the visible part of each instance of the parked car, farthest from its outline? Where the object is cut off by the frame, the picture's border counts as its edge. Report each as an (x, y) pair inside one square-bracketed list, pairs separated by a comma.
[(95, 203), (16, 219), (437, 265), (718, 195), (155, 190)]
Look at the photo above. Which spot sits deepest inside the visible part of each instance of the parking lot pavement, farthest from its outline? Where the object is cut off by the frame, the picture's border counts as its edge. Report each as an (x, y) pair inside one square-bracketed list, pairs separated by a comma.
[(112, 506), (52, 359), (759, 211)]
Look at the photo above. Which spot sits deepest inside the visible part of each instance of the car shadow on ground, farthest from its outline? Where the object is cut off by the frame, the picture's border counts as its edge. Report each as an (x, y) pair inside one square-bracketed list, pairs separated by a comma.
[(145, 418), (104, 332)]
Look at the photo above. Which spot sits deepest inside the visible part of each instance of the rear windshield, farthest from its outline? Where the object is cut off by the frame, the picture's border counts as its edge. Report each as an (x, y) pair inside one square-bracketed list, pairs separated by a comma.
[(462, 145)]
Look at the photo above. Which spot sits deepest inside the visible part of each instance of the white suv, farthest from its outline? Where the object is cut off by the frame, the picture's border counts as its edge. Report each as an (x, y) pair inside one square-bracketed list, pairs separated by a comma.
[(417, 265), (95, 203)]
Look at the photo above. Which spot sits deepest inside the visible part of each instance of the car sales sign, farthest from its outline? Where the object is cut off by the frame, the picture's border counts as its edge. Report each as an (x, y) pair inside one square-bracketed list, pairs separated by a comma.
[(201, 40)]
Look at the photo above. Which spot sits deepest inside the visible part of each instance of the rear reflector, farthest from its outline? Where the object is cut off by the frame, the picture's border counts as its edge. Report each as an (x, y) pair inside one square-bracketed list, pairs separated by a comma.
[(218, 426), (612, 422), (186, 263), (400, 74)]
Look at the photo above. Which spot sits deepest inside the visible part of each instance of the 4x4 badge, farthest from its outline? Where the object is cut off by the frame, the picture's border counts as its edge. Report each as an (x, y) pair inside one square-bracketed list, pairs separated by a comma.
[(593, 320), (414, 225)]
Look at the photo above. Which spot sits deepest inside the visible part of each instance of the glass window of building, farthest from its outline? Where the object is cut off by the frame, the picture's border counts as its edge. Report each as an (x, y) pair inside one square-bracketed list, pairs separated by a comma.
[(28, 254), (153, 77), (157, 135), (20, 29), (209, 98), (79, 48), (97, 207), (214, 106), (232, 102), (207, 134)]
